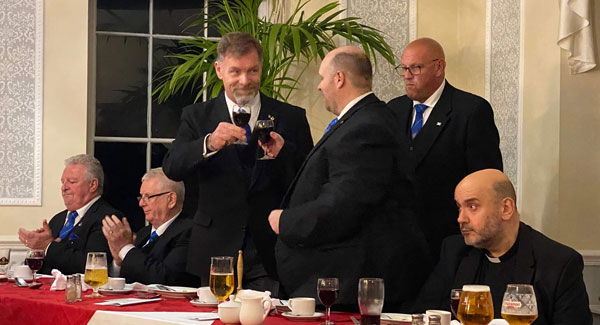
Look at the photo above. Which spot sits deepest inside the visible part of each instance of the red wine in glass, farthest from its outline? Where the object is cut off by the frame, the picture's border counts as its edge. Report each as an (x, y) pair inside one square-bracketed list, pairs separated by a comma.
[(328, 296), (328, 290), (241, 118), (35, 263), (264, 134), (369, 319), (454, 301)]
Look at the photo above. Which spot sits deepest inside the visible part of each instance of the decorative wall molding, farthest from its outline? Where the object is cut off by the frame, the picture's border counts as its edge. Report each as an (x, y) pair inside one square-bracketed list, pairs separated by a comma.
[(503, 40), (397, 20), (590, 257), (21, 67)]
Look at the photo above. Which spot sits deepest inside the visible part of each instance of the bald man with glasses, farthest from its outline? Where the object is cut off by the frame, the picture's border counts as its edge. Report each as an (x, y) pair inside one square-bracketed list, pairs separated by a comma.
[(158, 252), (449, 134)]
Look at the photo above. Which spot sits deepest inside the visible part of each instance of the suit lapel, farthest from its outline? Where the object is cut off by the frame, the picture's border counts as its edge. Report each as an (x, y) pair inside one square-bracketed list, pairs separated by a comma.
[(436, 122), (525, 267), (363, 102), (467, 269), (142, 236), (60, 222), (267, 111)]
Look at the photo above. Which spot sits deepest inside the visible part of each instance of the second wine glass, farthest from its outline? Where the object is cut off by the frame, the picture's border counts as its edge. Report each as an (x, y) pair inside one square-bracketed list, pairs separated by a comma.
[(263, 129), (35, 260), (328, 290)]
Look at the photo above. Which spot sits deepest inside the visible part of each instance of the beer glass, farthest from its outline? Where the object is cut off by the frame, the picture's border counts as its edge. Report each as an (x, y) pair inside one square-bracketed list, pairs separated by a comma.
[(35, 260), (475, 306), (371, 293), (221, 277), (519, 306), (96, 272), (328, 290), (263, 129)]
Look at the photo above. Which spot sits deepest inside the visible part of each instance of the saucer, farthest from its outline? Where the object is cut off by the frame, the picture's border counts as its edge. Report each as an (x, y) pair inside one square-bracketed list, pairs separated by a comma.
[(203, 304), (179, 292), (294, 317), (114, 292)]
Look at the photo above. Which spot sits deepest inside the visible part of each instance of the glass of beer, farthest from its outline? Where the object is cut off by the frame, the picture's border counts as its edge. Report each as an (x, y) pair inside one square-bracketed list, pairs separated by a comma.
[(96, 272), (221, 276), (475, 306), (519, 306)]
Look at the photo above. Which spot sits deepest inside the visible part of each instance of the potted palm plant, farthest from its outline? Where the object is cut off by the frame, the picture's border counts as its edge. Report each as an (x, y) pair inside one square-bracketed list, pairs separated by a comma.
[(289, 46)]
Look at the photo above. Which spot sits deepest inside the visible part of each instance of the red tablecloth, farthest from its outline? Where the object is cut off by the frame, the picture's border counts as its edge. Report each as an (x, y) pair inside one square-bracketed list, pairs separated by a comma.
[(42, 306)]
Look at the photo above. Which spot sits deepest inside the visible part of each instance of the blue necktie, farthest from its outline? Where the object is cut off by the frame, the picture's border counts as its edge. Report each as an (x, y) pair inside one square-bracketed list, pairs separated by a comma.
[(246, 127), (418, 124), (331, 124), (69, 225), (153, 237)]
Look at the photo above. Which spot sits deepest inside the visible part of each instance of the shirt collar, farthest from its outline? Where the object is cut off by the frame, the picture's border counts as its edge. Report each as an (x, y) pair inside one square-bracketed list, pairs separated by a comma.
[(434, 98), (352, 103), (83, 210), (162, 228)]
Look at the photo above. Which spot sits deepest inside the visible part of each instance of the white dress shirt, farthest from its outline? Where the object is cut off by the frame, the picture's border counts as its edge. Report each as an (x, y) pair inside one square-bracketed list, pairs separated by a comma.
[(430, 102)]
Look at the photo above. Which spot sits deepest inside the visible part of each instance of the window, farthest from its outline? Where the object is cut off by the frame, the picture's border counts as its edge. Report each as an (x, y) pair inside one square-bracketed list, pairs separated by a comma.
[(131, 132)]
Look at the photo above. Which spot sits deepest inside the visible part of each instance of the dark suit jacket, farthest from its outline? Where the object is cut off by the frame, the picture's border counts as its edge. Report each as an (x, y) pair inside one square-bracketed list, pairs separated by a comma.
[(162, 261), (554, 270), (459, 137), (69, 255), (229, 202), (341, 216)]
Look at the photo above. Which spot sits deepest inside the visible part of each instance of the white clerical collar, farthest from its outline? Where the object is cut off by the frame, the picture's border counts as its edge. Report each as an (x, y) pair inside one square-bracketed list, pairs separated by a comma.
[(352, 103), (492, 259)]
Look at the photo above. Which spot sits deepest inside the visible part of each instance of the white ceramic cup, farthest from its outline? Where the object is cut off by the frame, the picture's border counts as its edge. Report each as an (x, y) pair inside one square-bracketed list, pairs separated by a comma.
[(444, 315), (302, 306), (229, 312), (22, 271), (116, 283), (206, 296)]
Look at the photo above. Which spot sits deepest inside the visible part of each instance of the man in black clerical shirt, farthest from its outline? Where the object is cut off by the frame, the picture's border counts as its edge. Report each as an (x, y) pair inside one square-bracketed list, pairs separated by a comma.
[(497, 249)]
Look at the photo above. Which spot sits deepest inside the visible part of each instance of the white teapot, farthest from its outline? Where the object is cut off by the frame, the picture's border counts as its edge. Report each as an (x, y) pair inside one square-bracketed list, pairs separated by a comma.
[(254, 310)]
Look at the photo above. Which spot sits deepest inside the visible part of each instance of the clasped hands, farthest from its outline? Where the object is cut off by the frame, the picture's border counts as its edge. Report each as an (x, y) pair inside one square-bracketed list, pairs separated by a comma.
[(227, 133), (118, 234)]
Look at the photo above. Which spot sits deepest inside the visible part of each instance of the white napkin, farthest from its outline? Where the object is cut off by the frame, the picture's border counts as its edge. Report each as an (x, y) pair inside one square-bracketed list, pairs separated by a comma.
[(60, 281), (575, 34), (252, 293)]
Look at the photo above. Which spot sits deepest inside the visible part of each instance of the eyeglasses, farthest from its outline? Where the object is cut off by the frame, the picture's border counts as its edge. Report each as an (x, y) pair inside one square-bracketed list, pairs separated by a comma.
[(413, 69), (148, 197)]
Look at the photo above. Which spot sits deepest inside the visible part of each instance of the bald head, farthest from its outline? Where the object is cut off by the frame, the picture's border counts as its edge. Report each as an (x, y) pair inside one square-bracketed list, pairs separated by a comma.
[(493, 180), (430, 48), (354, 63)]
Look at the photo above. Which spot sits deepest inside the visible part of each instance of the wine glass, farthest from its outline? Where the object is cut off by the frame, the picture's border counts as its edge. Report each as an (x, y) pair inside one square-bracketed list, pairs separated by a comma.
[(263, 128), (454, 299), (96, 272), (241, 118), (221, 276), (371, 294), (35, 260), (475, 306), (328, 290), (519, 305)]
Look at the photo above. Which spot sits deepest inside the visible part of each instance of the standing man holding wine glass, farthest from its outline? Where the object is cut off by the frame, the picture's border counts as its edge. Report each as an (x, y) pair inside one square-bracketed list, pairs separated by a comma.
[(341, 216), (496, 250), (74, 232), (235, 190)]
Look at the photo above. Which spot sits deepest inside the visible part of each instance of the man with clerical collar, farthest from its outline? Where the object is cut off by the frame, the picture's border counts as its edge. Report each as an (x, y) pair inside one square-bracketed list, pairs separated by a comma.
[(74, 232), (497, 249), (158, 252)]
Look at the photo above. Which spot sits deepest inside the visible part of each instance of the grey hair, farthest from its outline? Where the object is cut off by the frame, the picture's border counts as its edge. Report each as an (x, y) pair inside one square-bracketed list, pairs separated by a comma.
[(504, 189), (166, 183), (93, 168), (238, 44)]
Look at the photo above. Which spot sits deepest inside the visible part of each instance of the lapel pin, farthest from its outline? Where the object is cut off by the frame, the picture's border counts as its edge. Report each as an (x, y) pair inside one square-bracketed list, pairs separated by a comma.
[(271, 117), (438, 123)]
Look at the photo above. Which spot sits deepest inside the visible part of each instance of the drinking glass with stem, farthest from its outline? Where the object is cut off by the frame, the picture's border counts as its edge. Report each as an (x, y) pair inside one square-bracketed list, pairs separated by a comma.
[(241, 117), (519, 305), (221, 277), (454, 300), (96, 272), (328, 290), (263, 128), (35, 260)]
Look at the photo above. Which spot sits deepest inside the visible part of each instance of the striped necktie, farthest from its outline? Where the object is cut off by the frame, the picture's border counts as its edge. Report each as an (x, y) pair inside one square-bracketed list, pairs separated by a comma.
[(418, 124), (331, 124)]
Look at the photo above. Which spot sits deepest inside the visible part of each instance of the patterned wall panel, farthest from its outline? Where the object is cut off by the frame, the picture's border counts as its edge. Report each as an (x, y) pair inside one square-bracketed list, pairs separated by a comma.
[(396, 19), (502, 76), (21, 46)]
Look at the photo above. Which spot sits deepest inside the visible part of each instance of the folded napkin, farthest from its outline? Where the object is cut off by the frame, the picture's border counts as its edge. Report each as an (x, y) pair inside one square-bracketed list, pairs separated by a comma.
[(60, 281)]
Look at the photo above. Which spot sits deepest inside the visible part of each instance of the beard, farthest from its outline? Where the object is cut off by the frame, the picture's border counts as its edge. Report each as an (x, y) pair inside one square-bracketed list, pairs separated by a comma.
[(243, 95), (488, 235)]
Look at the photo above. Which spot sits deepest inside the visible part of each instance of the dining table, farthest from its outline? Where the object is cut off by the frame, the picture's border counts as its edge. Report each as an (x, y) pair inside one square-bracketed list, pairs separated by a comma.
[(22, 305)]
